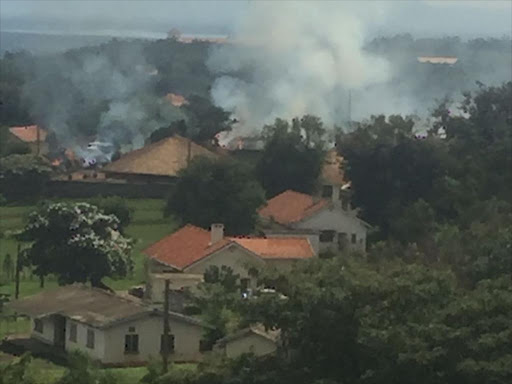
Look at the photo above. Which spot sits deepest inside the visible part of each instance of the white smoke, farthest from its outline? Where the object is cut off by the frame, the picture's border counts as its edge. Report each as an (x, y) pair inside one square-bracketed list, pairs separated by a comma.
[(294, 58)]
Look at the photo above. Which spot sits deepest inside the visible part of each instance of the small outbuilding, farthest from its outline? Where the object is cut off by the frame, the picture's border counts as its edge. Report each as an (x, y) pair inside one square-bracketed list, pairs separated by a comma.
[(111, 329), (254, 339)]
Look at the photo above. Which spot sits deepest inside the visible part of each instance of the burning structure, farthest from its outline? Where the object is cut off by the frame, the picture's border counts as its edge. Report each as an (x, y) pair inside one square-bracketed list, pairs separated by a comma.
[(32, 135)]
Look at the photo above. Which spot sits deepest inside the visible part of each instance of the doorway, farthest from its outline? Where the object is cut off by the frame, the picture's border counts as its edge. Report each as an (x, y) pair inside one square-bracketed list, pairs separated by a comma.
[(59, 331)]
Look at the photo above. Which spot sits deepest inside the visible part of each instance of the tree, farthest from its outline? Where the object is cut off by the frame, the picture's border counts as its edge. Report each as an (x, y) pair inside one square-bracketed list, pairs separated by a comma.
[(289, 160), (76, 242), (212, 191), (117, 206), (81, 370), (8, 266), (23, 176)]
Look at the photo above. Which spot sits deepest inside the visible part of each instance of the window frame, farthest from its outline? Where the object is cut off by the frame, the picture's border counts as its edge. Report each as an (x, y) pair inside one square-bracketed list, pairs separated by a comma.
[(172, 343), (331, 234), (131, 344), (73, 332), (38, 326), (90, 338)]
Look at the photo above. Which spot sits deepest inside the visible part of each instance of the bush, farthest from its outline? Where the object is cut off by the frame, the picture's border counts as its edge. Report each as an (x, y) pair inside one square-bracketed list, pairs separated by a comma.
[(116, 206)]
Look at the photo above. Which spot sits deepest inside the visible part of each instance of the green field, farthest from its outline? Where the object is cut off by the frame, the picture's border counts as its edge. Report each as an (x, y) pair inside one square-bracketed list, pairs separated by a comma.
[(148, 225)]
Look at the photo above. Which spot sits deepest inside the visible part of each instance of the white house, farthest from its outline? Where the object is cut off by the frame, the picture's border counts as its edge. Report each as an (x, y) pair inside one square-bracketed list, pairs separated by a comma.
[(184, 256), (109, 328), (254, 339)]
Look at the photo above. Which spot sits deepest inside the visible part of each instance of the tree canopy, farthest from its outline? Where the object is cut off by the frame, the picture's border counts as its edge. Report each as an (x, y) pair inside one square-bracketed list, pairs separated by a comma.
[(216, 191), (293, 155), (76, 242)]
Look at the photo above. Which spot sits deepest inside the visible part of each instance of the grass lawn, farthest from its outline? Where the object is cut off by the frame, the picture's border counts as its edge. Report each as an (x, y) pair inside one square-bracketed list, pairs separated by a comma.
[(148, 225)]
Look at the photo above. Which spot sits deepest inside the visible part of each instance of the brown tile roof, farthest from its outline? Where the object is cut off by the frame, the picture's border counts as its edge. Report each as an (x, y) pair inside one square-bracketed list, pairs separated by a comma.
[(278, 247), (290, 207), (176, 100), (191, 244), (92, 306), (28, 133), (163, 158)]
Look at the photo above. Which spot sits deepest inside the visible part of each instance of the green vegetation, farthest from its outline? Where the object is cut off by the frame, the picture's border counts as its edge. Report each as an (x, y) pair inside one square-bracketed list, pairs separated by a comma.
[(293, 155), (216, 191)]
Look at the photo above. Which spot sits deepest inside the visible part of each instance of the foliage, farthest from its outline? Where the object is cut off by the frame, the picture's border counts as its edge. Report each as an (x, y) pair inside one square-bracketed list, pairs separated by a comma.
[(210, 191), (291, 160), (23, 176), (81, 370), (9, 145), (117, 206), (76, 242), (17, 372)]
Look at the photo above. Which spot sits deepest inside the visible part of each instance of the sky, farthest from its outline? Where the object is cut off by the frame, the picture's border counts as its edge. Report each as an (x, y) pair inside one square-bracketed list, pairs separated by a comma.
[(150, 18)]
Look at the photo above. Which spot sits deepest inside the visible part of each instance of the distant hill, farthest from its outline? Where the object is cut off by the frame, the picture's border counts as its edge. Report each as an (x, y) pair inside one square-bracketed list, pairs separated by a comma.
[(38, 43)]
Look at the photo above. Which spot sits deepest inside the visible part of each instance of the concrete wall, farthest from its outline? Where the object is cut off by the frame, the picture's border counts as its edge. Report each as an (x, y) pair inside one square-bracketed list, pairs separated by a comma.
[(187, 337), (98, 352), (340, 221), (233, 256), (48, 332), (251, 343)]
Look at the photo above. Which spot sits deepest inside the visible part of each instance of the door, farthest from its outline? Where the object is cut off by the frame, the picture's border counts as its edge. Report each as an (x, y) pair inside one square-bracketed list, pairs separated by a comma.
[(59, 331)]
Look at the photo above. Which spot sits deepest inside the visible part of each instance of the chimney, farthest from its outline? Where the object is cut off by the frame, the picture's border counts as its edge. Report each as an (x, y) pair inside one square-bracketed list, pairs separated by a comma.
[(216, 232)]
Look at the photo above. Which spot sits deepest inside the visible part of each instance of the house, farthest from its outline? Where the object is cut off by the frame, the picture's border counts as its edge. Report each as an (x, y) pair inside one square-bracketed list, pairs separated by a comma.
[(191, 250), (109, 328), (254, 339), (156, 162), (333, 223), (32, 135)]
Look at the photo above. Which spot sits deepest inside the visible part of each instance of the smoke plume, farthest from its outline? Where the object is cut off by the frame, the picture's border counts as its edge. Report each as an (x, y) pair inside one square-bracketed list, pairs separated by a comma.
[(293, 58)]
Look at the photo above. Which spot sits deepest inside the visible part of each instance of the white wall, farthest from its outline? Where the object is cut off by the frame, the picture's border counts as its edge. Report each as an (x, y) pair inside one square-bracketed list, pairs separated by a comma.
[(98, 352), (187, 337), (252, 343), (340, 221), (233, 256), (48, 332)]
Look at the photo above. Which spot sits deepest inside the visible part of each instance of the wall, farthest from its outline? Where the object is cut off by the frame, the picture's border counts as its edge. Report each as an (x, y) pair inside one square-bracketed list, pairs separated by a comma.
[(337, 219), (232, 256), (82, 189), (284, 265), (187, 338), (249, 344), (98, 352), (47, 335)]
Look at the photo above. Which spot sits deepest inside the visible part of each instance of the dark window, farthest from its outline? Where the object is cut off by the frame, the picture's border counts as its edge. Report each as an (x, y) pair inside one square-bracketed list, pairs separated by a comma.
[(205, 345), (327, 191), (327, 236), (38, 325), (90, 339), (131, 344), (170, 343), (354, 238), (72, 333), (342, 240), (131, 329)]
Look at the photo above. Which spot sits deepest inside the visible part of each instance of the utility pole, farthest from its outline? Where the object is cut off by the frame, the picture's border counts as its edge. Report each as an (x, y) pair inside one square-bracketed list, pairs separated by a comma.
[(165, 346), (17, 273)]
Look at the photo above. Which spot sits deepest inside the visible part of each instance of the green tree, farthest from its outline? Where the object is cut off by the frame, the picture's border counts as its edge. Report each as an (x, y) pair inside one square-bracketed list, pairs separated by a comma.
[(117, 206), (210, 191), (289, 160), (76, 242), (8, 266), (23, 176), (81, 370)]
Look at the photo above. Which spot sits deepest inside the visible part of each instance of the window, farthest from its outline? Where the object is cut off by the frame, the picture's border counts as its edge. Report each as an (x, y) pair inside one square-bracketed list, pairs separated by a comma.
[(72, 333), (131, 344), (342, 240), (170, 343), (354, 238), (131, 329), (327, 191), (205, 345), (38, 325), (90, 339), (327, 236)]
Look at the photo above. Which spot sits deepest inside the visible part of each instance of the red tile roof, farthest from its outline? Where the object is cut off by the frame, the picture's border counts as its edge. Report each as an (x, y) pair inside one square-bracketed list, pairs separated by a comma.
[(28, 133), (278, 247), (184, 247), (191, 244), (290, 207)]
